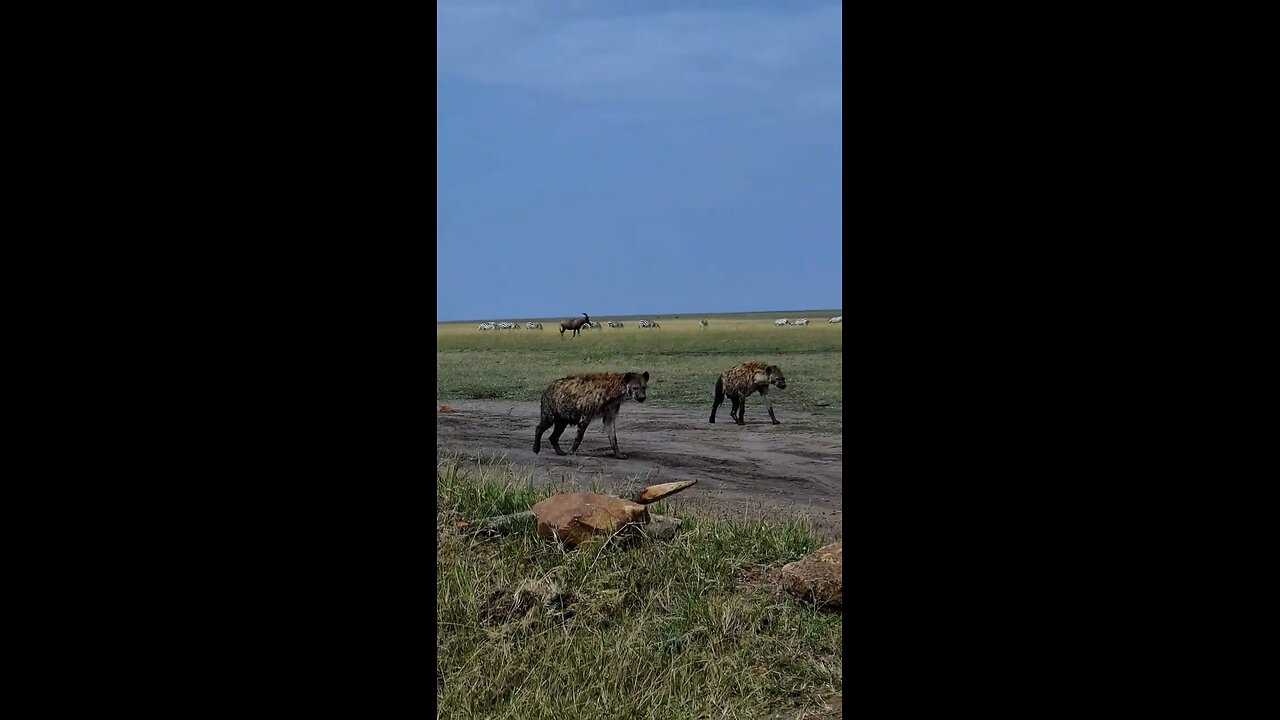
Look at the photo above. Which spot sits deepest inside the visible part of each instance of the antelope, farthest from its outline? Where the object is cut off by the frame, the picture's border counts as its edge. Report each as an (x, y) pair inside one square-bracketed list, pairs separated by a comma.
[(702, 323), (836, 319), (573, 324)]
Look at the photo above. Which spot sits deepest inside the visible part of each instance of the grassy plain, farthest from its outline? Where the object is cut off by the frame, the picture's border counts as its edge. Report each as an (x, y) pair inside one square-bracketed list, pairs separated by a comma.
[(693, 627), (683, 361)]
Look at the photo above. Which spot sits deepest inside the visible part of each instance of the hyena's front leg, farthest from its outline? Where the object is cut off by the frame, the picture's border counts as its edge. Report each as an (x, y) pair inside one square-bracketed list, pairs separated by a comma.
[(611, 428), (561, 424), (764, 395)]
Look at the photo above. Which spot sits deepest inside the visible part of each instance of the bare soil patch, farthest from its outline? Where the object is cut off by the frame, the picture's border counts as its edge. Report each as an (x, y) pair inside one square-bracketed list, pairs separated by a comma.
[(757, 469)]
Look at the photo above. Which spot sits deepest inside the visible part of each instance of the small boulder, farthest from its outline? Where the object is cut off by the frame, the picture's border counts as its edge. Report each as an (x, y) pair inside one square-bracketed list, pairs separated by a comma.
[(817, 577), (571, 518), (662, 527)]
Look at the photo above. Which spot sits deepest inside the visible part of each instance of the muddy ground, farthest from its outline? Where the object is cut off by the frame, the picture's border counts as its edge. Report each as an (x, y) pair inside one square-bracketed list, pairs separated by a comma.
[(755, 469)]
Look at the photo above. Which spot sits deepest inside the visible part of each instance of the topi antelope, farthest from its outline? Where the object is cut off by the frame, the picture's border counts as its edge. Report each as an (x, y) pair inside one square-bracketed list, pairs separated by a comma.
[(573, 324)]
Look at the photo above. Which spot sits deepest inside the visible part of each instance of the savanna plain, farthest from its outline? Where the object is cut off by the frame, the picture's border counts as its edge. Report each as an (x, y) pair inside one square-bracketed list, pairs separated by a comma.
[(692, 627)]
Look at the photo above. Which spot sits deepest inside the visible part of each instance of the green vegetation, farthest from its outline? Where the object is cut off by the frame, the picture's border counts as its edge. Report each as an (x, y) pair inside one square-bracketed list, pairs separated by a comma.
[(683, 360), (694, 627)]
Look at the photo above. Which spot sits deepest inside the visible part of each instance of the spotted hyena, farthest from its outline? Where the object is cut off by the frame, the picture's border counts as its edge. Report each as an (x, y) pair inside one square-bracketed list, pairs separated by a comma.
[(739, 382), (579, 399)]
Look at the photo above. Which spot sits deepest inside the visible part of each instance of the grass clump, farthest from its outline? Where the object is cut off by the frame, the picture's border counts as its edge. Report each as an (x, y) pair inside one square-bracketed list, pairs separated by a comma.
[(692, 627)]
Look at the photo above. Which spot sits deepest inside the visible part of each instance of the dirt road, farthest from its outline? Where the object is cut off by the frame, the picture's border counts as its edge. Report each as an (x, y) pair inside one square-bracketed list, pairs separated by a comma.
[(794, 467)]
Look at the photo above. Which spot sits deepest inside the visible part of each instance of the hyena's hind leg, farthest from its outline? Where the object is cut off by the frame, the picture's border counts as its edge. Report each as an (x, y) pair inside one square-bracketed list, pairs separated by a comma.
[(739, 410), (543, 424), (719, 397), (561, 424), (582, 430)]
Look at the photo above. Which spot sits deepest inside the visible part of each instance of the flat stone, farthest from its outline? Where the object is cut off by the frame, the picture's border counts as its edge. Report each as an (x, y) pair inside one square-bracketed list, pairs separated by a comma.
[(662, 527), (571, 518), (817, 577)]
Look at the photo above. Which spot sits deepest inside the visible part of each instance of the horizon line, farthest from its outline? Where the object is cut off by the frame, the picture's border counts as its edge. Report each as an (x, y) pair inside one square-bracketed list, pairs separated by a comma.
[(634, 315)]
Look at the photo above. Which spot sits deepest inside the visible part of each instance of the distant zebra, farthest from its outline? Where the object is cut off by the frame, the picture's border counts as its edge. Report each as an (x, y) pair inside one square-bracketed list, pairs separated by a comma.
[(486, 326), (506, 326), (615, 323), (781, 322), (648, 324), (802, 321), (593, 325), (836, 319), (533, 325), (702, 324)]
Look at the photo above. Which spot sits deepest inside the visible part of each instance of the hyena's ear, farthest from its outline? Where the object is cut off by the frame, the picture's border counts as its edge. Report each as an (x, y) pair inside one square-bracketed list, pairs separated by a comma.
[(773, 370), (646, 376), (626, 379)]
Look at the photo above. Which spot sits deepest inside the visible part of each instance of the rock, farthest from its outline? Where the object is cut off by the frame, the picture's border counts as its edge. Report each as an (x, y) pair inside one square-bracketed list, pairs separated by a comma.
[(662, 527), (817, 577), (571, 518), (654, 493)]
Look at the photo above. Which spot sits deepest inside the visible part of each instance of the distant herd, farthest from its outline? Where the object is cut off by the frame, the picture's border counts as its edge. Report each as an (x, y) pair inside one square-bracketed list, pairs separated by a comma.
[(575, 325)]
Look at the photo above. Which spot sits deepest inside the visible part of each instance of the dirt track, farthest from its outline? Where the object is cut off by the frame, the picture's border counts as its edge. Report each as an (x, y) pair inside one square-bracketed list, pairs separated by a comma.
[(794, 467)]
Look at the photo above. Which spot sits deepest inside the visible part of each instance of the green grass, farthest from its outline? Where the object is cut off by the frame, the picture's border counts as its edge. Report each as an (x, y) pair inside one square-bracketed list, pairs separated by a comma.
[(692, 627), (682, 360)]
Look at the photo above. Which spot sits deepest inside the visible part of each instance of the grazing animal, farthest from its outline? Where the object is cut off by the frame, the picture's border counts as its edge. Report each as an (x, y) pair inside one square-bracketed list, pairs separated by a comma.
[(648, 324), (578, 399), (506, 326), (702, 324), (533, 325), (486, 326), (615, 324), (836, 319), (574, 324), (740, 381), (783, 321), (592, 325), (802, 321)]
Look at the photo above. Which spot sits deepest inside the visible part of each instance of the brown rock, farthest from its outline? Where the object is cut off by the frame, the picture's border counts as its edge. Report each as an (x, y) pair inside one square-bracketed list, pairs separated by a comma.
[(654, 493), (817, 577), (573, 517)]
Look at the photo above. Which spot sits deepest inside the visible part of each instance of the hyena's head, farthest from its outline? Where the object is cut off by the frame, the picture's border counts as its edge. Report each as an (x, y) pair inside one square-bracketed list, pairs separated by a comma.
[(635, 385), (773, 374)]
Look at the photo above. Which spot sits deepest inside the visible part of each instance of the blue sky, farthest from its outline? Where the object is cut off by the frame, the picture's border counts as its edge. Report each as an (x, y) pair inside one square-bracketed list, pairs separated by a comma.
[(626, 158)]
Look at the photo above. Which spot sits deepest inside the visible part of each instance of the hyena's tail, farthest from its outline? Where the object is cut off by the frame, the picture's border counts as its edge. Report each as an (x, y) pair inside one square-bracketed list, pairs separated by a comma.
[(719, 397)]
